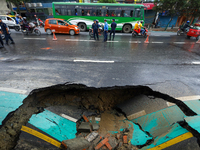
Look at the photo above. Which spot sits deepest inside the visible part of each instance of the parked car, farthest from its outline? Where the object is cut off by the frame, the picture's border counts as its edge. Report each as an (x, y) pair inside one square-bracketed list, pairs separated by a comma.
[(194, 32), (60, 26), (10, 22)]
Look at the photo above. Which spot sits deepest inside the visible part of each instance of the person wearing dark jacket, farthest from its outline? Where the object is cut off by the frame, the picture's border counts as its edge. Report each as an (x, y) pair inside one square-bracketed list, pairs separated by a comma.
[(5, 31), (187, 25), (95, 27), (1, 41), (113, 27)]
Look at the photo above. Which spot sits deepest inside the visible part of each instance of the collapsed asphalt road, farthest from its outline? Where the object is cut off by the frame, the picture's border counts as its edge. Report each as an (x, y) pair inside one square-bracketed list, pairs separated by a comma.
[(99, 100)]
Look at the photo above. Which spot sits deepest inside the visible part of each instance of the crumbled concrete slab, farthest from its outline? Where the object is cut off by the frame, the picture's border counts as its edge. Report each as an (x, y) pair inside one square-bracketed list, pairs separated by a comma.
[(85, 127), (76, 144)]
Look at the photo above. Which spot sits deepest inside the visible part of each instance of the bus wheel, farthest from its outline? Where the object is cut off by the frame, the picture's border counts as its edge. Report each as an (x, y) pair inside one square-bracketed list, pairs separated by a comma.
[(127, 28), (82, 27)]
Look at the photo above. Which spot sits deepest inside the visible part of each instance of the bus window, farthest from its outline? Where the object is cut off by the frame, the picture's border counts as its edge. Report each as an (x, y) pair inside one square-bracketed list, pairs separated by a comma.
[(76, 13), (83, 12), (88, 12), (98, 12), (57, 12), (107, 13), (131, 13), (137, 12)]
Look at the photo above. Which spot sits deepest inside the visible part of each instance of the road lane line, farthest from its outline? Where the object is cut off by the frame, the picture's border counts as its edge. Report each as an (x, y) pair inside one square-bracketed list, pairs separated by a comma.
[(185, 98), (13, 90), (34, 38), (134, 42), (179, 42), (136, 115), (76, 40), (112, 41), (157, 42), (173, 141), (41, 136), (196, 62), (95, 61)]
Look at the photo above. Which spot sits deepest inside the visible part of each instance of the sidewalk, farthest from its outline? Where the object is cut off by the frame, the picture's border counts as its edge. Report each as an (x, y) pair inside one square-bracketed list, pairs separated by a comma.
[(169, 29)]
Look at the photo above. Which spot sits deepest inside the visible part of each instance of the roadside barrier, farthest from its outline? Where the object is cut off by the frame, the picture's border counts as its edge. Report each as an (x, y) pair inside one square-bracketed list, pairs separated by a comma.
[(54, 36), (147, 39)]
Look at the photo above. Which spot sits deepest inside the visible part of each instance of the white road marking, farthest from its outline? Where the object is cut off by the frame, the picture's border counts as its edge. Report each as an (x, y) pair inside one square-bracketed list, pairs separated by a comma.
[(95, 61), (179, 42), (34, 38), (185, 98), (134, 42), (13, 90), (157, 42), (112, 41), (196, 62), (136, 115), (69, 118), (72, 40)]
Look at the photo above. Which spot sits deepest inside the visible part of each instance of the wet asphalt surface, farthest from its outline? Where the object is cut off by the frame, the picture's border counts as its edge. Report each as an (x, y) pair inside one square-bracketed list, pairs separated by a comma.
[(166, 64)]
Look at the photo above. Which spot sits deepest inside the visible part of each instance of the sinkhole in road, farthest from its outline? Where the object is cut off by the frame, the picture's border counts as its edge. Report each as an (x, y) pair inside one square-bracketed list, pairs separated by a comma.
[(108, 103)]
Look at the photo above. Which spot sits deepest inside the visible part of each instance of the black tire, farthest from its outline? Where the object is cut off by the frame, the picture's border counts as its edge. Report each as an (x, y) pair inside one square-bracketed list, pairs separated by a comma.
[(188, 36), (90, 34), (179, 33), (133, 35), (82, 27), (25, 32), (72, 32), (127, 28), (37, 32), (48, 31), (17, 28)]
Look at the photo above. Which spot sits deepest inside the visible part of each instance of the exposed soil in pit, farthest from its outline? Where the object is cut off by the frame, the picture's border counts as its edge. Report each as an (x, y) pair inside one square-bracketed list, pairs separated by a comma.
[(101, 99)]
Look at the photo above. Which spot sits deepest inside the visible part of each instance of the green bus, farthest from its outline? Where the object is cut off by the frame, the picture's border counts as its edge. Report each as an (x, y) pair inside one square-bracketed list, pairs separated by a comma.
[(83, 14)]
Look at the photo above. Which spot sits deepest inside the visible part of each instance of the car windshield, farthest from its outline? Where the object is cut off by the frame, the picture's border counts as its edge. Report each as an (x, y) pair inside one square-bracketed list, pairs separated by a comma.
[(67, 22)]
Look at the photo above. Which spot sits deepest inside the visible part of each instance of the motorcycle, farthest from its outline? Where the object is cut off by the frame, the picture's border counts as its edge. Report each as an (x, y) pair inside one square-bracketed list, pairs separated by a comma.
[(31, 28), (135, 33), (100, 31), (41, 23), (182, 31)]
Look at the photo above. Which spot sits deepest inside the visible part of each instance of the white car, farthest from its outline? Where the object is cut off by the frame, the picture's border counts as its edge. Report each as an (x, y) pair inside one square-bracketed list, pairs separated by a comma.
[(10, 22)]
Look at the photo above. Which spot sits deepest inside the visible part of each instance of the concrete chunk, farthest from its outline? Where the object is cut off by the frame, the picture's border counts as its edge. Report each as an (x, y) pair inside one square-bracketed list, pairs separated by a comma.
[(76, 144), (85, 127)]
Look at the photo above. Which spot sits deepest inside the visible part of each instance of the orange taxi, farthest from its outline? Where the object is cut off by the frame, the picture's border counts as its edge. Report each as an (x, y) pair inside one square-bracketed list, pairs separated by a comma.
[(60, 26)]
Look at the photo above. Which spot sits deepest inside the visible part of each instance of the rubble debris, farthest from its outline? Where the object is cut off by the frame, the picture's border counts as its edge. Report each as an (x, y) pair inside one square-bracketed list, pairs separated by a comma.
[(68, 117), (102, 143), (85, 127), (81, 96), (90, 137), (113, 142), (75, 144), (125, 140)]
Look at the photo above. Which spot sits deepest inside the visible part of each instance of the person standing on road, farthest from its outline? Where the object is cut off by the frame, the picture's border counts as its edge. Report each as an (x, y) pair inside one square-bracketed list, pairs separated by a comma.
[(1, 40), (5, 31), (105, 30), (95, 28), (113, 27)]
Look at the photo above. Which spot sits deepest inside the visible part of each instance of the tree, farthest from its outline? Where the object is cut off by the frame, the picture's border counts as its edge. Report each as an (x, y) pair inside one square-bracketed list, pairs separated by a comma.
[(172, 7), (16, 3), (107, 1)]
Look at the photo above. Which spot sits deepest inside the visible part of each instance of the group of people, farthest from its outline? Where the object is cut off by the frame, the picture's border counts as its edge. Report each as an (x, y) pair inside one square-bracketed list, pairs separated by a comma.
[(139, 28), (95, 29)]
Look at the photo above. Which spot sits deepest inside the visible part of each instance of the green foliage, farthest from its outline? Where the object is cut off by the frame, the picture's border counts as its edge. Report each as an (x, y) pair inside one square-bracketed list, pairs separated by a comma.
[(107, 1), (178, 7)]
